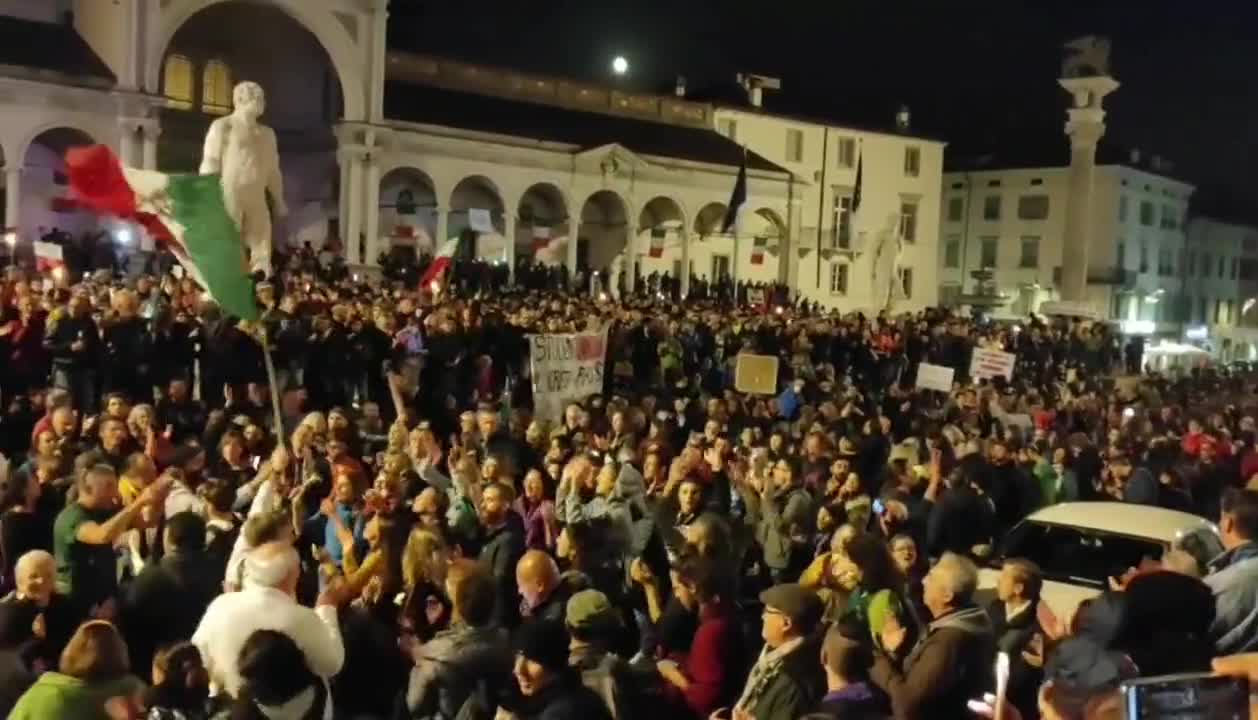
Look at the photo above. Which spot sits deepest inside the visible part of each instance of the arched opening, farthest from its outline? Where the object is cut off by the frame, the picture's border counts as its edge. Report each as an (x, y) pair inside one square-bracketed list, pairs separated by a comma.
[(476, 219), (408, 211), (709, 220), (661, 231), (604, 231), (46, 212), (758, 258), (235, 41), (542, 229)]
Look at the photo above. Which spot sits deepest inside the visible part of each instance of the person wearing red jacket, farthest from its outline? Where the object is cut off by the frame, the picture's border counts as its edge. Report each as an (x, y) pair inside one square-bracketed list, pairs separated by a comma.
[(707, 680)]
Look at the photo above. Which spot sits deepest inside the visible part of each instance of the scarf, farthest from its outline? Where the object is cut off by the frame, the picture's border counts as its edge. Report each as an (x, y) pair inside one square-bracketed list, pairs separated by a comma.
[(766, 668)]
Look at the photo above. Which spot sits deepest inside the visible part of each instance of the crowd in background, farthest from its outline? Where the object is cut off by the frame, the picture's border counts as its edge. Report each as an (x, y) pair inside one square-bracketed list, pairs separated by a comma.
[(400, 537)]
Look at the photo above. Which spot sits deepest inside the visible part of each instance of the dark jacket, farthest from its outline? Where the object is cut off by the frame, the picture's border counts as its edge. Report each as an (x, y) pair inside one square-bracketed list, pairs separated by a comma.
[(795, 688), (860, 701), (166, 601), (1013, 635), (949, 666), (64, 333), (565, 699), (501, 550)]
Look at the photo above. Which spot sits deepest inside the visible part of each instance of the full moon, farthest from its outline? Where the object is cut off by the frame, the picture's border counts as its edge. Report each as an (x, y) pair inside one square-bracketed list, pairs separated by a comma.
[(620, 65)]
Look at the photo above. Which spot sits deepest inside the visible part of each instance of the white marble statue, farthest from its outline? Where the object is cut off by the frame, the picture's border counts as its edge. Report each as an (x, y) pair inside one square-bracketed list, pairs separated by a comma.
[(245, 153)]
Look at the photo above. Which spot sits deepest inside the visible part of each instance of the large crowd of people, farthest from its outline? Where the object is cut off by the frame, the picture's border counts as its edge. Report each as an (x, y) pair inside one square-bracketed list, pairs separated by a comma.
[(381, 527)]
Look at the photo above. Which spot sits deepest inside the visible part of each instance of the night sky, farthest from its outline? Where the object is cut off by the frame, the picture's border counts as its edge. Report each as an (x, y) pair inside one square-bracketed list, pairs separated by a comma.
[(981, 75)]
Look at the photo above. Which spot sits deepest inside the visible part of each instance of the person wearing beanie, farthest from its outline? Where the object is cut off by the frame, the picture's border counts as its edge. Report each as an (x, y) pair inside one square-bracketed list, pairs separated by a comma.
[(547, 688)]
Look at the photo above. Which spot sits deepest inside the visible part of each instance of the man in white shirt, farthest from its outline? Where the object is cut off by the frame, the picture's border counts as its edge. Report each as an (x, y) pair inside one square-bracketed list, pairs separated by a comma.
[(268, 602)]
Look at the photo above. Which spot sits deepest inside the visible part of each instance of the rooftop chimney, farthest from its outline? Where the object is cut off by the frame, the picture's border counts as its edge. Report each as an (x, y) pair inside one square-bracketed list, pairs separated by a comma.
[(755, 85), (903, 118), (681, 86)]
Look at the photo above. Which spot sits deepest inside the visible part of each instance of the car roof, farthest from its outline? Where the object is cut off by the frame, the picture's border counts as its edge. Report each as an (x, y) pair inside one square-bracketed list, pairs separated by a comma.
[(1123, 518)]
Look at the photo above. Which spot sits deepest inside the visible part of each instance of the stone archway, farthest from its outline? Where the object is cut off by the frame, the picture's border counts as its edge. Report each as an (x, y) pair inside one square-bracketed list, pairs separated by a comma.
[(408, 210), (44, 207), (476, 218), (709, 220), (660, 238), (543, 229), (331, 32), (305, 91), (604, 230)]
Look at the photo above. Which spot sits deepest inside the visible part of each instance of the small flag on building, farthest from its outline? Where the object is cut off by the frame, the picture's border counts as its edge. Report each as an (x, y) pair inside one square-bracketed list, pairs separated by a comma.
[(757, 250), (185, 213), (657, 242), (737, 199)]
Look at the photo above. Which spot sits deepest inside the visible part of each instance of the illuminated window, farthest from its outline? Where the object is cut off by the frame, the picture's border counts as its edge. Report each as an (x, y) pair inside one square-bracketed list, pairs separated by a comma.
[(177, 79), (216, 88)]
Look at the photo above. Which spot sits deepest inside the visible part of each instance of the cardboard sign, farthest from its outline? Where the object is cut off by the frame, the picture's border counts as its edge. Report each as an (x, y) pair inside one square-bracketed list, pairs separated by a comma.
[(934, 377), (987, 364), (756, 374), (564, 369)]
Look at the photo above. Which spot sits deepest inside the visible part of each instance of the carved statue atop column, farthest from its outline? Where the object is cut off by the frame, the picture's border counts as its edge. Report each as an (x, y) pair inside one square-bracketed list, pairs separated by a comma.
[(245, 153)]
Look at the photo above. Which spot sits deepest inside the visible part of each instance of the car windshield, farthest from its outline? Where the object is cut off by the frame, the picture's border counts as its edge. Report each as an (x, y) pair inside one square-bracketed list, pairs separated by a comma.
[(1079, 555)]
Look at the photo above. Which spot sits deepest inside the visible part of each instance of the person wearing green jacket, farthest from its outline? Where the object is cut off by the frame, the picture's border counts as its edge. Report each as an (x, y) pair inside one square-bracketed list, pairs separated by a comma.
[(93, 670)]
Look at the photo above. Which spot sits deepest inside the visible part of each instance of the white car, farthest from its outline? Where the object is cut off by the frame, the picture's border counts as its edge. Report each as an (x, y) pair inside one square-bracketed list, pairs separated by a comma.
[(1079, 546)]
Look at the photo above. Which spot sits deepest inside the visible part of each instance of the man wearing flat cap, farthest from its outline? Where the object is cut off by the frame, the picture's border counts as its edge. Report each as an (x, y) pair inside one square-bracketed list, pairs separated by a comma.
[(786, 681)]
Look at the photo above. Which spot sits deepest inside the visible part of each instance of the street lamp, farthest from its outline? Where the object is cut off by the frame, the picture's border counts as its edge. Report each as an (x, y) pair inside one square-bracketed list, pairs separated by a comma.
[(620, 65)]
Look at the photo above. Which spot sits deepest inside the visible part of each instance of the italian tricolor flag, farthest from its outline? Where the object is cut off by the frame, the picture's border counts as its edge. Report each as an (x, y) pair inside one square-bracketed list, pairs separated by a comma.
[(440, 263), (186, 213)]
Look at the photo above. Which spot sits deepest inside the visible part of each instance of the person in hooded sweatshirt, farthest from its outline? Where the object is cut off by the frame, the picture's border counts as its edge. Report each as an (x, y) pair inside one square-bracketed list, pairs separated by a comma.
[(952, 663)]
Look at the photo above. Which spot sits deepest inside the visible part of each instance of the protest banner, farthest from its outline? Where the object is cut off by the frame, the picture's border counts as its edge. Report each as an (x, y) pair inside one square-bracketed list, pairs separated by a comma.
[(934, 377), (756, 374), (755, 296), (987, 364), (564, 369)]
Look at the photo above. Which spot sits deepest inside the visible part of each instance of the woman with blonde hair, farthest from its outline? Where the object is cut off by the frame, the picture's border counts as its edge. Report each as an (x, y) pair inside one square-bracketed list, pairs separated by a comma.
[(425, 562), (93, 669)]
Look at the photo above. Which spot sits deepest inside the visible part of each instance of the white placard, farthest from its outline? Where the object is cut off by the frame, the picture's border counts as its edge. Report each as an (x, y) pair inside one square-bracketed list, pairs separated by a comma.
[(986, 364), (480, 220), (756, 374), (755, 296), (934, 377), (564, 369)]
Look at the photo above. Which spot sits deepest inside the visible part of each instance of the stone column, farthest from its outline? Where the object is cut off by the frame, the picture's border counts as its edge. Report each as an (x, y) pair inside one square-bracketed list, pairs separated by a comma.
[(508, 224), (443, 218), (351, 159), (572, 246), (129, 142), (13, 198), (371, 210), (151, 134), (1085, 126), (684, 234)]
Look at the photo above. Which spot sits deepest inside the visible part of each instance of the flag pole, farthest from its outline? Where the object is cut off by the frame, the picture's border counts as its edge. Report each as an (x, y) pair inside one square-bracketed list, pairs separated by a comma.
[(278, 416)]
